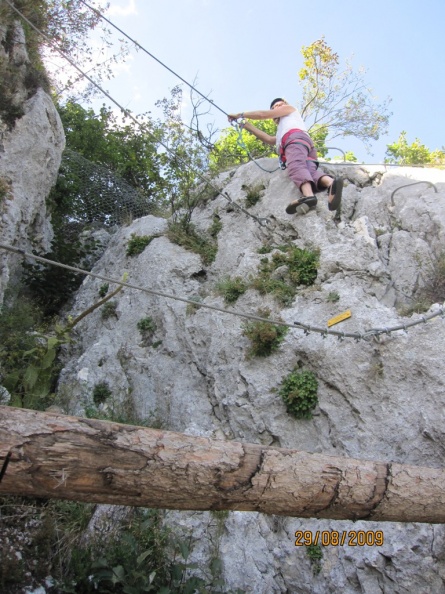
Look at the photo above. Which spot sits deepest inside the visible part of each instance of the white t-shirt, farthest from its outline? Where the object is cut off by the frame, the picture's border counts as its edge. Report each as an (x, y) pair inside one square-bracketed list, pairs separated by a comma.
[(289, 122)]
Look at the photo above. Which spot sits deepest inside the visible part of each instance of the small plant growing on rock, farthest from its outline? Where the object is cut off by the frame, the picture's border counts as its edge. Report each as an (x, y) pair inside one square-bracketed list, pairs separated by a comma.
[(186, 235), (231, 289), (147, 328), (216, 226), (299, 393), (287, 268), (315, 554), (137, 243), (109, 310), (333, 297), (253, 194), (103, 289), (101, 393), (5, 189), (265, 337)]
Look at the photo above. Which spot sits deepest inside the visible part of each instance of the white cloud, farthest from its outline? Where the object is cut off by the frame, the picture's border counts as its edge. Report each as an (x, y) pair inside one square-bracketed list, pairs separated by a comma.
[(123, 11)]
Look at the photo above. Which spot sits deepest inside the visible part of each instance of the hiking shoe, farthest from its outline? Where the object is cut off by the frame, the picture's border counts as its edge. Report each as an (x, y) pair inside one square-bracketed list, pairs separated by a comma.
[(334, 194), (302, 205)]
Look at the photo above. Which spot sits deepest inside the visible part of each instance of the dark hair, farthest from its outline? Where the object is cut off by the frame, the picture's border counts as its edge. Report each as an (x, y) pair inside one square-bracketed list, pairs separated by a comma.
[(276, 101)]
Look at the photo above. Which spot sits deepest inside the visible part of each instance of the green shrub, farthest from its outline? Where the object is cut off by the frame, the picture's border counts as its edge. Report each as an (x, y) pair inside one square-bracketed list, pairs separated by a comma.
[(216, 226), (231, 289), (265, 249), (103, 289), (187, 236), (5, 189), (265, 337), (52, 286), (253, 194), (101, 393), (28, 354), (147, 328), (333, 297), (297, 267), (315, 554), (137, 243), (299, 393), (109, 310), (146, 325)]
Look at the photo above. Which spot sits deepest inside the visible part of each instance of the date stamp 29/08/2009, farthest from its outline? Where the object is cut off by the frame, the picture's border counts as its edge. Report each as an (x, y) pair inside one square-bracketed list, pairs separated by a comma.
[(334, 538)]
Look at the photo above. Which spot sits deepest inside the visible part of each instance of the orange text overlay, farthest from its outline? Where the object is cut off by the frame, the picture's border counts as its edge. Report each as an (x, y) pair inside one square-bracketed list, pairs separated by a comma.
[(335, 538)]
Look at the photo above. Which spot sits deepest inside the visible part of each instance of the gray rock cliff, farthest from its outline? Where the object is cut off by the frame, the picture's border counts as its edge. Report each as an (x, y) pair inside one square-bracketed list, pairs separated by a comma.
[(30, 154), (379, 398)]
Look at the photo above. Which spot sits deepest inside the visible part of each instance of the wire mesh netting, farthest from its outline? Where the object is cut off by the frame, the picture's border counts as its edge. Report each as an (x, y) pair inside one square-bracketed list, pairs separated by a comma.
[(88, 192)]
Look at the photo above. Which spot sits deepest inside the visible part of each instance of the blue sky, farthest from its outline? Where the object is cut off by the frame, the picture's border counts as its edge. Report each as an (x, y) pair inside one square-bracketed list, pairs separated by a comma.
[(247, 52)]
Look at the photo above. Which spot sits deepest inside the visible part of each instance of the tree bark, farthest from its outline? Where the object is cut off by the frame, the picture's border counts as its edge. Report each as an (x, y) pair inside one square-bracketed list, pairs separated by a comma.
[(58, 456)]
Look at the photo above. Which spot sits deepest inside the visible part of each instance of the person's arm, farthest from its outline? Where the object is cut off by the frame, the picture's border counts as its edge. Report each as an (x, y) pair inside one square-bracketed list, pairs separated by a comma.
[(263, 136), (264, 114)]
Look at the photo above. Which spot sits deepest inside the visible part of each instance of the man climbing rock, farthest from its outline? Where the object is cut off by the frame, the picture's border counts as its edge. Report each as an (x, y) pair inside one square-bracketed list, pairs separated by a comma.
[(297, 151)]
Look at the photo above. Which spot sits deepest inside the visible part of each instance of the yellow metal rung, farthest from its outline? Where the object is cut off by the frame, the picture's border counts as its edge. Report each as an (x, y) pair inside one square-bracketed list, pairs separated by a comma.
[(343, 316)]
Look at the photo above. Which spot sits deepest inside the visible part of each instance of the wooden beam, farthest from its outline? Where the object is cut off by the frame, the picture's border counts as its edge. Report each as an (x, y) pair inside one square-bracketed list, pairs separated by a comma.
[(64, 457)]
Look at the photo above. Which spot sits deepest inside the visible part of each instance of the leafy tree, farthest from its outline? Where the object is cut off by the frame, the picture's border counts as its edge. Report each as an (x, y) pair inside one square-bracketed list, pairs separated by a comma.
[(335, 102), (234, 146), (185, 164), (337, 98), (67, 25), (402, 153), (111, 170)]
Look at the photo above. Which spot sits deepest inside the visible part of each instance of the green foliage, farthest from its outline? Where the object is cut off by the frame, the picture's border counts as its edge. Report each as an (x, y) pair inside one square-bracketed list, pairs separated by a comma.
[(19, 84), (299, 393), (231, 288), (183, 170), (101, 393), (146, 325), (186, 235), (109, 310), (137, 243), (50, 285), (127, 165), (147, 328), (402, 153), (318, 135), (333, 297), (230, 150), (253, 194), (216, 226), (337, 99), (297, 267), (315, 554), (5, 189), (28, 367), (265, 337), (103, 289)]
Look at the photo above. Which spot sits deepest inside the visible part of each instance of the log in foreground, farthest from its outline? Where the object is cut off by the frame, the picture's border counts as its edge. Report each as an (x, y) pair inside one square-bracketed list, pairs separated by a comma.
[(58, 456)]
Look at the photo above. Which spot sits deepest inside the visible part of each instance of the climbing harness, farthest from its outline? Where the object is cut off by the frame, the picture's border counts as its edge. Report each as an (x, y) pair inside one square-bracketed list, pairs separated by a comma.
[(285, 142)]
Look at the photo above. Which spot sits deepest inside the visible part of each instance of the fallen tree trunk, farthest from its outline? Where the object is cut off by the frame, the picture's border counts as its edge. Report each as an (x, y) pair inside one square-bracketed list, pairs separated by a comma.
[(57, 456)]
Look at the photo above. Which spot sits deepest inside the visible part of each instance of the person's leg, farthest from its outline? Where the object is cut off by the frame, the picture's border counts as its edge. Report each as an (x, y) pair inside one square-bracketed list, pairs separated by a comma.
[(296, 159), (334, 186)]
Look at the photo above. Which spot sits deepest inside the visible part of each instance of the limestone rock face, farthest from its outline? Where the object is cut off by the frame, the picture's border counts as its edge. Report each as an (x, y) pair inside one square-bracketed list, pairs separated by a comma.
[(30, 157), (379, 399)]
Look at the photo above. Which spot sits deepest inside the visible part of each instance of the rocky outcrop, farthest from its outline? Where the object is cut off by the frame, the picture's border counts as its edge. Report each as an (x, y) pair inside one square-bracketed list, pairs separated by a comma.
[(379, 398), (29, 161), (31, 146)]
